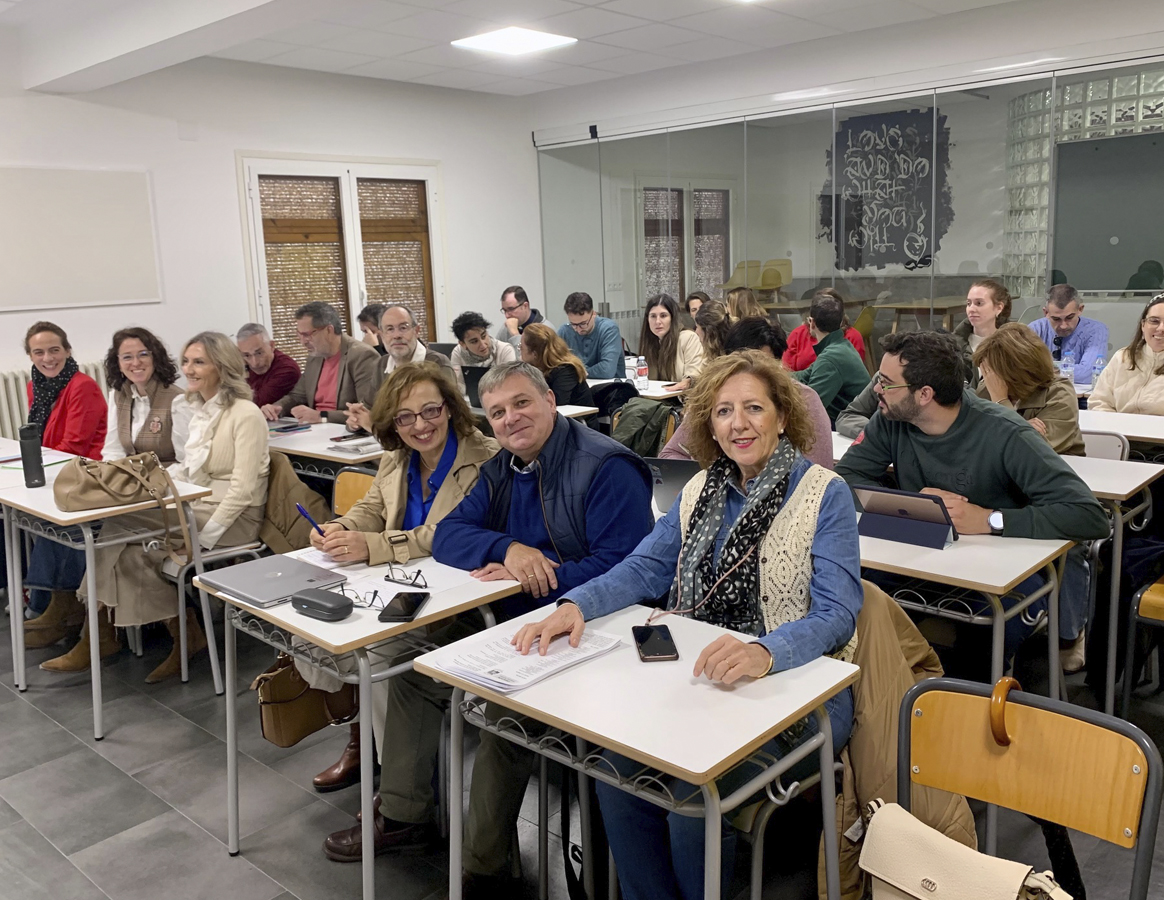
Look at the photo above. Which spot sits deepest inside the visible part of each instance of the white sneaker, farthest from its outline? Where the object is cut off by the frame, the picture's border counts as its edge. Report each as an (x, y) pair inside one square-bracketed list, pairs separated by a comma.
[(1074, 658)]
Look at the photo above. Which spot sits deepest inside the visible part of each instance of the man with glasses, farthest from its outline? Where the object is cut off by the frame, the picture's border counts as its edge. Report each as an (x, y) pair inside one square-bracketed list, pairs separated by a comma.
[(557, 506), (1063, 327), (994, 472), (518, 313), (271, 373), (339, 370), (401, 337), (594, 339)]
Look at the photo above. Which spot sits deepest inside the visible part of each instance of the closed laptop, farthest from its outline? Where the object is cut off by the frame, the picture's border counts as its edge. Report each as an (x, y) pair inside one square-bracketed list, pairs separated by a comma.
[(270, 580)]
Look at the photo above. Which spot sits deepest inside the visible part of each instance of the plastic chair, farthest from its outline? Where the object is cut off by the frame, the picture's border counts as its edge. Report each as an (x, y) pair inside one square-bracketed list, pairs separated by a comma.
[(446, 349), (747, 274), (1048, 759), (1106, 444), (776, 273), (351, 483), (864, 327)]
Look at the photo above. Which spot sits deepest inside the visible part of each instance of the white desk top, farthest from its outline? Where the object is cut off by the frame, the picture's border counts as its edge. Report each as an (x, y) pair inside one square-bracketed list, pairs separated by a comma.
[(577, 412), (655, 391), (317, 444), (658, 713), (840, 445), (1134, 427), (39, 501), (979, 562), (361, 628)]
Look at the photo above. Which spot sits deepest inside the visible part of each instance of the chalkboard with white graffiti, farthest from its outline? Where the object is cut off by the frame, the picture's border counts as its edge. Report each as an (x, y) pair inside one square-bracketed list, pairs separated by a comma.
[(883, 190)]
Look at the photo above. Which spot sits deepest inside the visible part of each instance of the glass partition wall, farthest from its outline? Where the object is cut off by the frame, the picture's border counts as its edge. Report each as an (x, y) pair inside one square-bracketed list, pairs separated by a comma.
[(899, 203)]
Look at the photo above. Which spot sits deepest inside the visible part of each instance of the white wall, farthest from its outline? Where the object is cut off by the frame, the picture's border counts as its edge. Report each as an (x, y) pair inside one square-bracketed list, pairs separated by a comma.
[(185, 124)]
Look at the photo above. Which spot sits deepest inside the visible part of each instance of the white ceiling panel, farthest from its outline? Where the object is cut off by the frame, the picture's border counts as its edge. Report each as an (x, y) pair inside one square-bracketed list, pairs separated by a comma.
[(409, 40)]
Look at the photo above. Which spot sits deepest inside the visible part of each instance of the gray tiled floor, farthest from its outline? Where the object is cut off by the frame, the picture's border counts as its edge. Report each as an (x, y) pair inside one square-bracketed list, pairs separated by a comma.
[(141, 814)]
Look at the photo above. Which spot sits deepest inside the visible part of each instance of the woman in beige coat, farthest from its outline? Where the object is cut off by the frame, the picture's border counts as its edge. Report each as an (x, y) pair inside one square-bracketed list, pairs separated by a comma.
[(434, 454), (226, 451)]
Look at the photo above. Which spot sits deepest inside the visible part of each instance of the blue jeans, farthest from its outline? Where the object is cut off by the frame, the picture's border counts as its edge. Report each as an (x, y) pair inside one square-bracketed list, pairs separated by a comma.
[(659, 854), (1074, 594)]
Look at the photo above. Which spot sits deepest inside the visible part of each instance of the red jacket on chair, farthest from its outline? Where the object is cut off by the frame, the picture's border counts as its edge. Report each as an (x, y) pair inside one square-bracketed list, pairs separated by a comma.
[(77, 422)]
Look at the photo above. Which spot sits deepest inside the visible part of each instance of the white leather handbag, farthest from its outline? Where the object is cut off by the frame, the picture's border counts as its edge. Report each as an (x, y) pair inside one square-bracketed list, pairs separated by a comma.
[(908, 860)]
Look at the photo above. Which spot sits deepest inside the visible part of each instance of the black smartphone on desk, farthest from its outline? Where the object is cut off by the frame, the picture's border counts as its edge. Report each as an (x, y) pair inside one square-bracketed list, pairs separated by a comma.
[(654, 643), (404, 607), (353, 436)]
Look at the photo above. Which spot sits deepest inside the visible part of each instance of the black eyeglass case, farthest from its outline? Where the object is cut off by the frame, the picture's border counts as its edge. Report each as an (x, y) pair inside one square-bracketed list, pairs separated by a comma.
[(327, 606)]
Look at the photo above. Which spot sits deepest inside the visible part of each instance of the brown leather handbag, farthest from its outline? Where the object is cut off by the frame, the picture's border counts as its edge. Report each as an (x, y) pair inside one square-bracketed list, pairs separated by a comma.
[(94, 484), (290, 709)]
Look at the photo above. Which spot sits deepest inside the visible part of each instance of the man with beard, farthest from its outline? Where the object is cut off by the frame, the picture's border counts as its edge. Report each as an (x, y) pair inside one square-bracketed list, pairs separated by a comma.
[(995, 474)]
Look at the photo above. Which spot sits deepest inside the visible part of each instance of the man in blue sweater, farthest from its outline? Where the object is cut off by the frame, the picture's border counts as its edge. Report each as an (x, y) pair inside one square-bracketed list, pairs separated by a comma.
[(558, 506), (595, 339)]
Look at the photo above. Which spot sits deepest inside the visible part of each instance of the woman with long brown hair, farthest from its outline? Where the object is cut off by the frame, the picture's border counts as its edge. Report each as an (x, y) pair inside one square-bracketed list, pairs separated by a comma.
[(742, 304), (542, 348), (670, 352)]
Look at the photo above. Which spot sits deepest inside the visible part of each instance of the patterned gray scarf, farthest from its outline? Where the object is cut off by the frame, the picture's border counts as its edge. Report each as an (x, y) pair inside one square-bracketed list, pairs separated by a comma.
[(733, 602)]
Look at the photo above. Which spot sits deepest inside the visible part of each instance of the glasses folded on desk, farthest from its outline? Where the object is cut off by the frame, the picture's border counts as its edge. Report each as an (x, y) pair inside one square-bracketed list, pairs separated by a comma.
[(400, 575)]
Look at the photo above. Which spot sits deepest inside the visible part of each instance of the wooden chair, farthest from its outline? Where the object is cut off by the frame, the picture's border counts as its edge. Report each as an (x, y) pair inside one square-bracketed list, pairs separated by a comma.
[(1072, 766), (351, 483), (1147, 609)]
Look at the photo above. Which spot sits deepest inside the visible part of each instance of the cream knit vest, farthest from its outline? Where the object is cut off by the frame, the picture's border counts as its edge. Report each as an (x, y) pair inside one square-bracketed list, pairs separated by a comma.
[(786, 552)]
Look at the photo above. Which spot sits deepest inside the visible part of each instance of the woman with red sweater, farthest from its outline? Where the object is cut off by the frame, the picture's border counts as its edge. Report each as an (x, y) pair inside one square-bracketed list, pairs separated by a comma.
[(69, 408)]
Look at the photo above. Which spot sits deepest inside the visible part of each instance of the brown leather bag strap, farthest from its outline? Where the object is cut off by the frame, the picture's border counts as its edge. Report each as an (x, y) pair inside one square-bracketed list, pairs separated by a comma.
[(164, 507)]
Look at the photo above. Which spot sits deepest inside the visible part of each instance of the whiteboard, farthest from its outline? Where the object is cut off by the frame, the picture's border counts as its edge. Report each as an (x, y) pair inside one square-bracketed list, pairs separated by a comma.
[(73, 237)]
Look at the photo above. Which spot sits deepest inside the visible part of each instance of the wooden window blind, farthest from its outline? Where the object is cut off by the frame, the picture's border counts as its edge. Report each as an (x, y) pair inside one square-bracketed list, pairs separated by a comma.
[(395, 246), (710, 267), (303, 243), (663, 257)]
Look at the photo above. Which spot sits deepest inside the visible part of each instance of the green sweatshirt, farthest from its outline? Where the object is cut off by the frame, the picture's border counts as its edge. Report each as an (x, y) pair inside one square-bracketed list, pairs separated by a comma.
[(838, 375), (991, 457)]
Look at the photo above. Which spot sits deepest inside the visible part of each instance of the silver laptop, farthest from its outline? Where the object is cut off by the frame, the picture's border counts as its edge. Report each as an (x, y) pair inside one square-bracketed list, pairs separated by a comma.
[(270, 580)]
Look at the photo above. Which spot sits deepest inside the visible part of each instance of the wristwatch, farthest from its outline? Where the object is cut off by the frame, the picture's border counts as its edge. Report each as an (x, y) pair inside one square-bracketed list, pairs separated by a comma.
[(995, 521)]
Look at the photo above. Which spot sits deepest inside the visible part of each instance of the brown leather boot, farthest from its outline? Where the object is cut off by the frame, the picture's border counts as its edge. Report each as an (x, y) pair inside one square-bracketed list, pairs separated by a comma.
[(63, 615), (77, 659), (195, 643), (346, 770)]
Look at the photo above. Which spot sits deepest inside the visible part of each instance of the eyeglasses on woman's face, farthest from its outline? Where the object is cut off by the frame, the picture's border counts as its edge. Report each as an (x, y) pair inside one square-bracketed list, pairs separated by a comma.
[(430, 412)]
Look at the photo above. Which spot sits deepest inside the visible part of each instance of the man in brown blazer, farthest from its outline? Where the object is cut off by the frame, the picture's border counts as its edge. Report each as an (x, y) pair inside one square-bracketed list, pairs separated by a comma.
[(339, 370)]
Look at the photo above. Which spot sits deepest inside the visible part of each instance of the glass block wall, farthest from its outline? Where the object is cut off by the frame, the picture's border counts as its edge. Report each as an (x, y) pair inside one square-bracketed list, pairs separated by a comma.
[(1094, 105)]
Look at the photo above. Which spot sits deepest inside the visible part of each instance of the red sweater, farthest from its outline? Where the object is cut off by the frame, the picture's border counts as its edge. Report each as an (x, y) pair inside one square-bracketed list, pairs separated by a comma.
[(276, 383), (77, 422), (800, 354)]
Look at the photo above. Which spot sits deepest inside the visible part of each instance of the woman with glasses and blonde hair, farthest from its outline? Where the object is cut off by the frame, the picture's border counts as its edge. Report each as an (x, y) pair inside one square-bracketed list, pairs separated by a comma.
[(225, 451), (761, 542), (671, 353), (543, 349), (1133, 381), (434, 453), (1017, 373)]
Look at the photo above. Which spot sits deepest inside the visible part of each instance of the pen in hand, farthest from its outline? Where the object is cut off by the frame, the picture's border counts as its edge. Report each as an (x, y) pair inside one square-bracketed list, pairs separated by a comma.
[(307, 516)]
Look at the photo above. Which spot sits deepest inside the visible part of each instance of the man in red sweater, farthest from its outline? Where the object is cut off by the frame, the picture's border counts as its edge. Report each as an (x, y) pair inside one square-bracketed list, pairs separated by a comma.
[(271, 373)]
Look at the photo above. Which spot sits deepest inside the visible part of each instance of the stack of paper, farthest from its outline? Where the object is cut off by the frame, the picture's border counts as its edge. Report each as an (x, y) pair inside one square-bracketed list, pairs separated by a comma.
[(364, 445), (318, 558), (494, 663)]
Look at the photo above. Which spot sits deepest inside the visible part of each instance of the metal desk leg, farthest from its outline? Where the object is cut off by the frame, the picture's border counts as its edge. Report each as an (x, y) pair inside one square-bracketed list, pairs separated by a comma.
[(208, 622), (94, 631), (1113, 613), (584, 814), (231, 640), (544, 827), (15, 598), (1054, 670), (368, 856), (997, 654), (828, 802), (456, 793), (712, 835)]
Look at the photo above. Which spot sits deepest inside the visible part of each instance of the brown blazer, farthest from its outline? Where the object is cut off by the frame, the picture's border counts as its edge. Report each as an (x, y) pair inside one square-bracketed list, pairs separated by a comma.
[(893, 656), (359, 379), (380, 513), (1057, 407)]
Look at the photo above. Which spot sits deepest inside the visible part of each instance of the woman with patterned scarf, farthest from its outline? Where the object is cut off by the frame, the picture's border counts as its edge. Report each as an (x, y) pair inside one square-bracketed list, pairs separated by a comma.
[(762, 542), (68, 406)]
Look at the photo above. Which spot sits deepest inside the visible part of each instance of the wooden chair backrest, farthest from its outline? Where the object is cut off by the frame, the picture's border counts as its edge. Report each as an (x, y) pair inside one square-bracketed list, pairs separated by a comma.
[(1056, 767), (350, 487)]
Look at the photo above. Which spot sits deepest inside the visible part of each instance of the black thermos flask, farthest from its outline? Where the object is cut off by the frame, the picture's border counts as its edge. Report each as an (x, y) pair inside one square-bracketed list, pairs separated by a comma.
[(30, 457)]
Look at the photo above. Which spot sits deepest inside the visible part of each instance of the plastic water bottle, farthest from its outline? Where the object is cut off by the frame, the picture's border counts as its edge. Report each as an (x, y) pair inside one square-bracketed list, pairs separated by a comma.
[(1097, 370), (1067, 366), (642, 381)]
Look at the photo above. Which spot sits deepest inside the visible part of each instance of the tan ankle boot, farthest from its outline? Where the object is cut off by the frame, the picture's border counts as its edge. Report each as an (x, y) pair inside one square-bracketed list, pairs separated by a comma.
[(64, 614), (77, 659), (195, 642)]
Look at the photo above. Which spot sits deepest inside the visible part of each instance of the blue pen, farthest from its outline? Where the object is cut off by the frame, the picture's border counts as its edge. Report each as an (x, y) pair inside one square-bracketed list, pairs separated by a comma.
[(307, 516)]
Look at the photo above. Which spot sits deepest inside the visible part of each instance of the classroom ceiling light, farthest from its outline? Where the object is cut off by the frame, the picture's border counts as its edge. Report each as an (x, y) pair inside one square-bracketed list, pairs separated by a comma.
[(1022, 65), (514, 41)]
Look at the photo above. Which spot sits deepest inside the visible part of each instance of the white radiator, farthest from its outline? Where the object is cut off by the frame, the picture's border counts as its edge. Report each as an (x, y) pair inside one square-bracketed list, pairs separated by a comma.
[(14, 395)]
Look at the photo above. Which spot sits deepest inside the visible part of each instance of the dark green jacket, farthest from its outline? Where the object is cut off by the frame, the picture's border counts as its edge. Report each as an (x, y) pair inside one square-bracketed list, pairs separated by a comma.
[(991, 457), (838, 375)]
